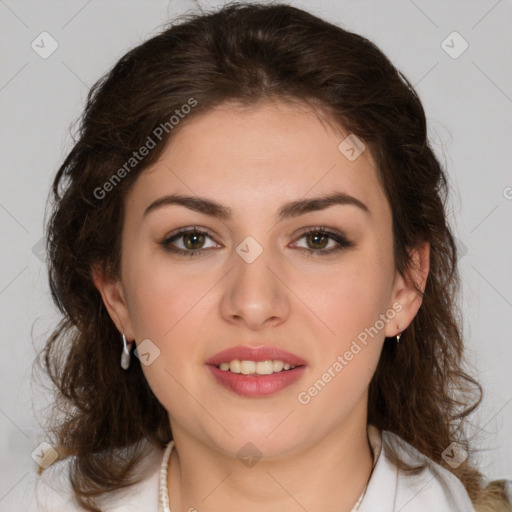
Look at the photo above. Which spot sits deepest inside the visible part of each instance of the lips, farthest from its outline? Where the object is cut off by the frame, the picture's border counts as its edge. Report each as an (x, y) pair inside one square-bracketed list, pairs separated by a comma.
[(260, 353), (256, 386)]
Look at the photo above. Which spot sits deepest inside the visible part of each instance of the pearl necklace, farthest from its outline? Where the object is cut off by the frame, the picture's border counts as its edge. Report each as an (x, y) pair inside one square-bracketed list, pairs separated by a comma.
[(163, 502)]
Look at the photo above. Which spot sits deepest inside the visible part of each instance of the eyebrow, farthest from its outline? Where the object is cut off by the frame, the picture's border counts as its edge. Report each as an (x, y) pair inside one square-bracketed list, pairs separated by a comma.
[(287, 211)]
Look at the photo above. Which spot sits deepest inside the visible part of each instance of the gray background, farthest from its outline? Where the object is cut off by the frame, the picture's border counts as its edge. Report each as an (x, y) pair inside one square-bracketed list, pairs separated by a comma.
[(468, 101)]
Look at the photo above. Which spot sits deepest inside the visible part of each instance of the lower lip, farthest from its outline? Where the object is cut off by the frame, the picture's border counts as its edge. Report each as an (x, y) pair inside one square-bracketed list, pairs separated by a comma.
[(256, 386)]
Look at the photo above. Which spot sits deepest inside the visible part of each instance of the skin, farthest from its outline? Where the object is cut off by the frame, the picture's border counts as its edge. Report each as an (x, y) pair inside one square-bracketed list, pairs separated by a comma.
[(253, 160)]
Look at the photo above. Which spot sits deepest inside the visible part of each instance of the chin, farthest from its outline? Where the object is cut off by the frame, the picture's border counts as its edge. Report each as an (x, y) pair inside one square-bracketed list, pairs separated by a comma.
[(259, 441)]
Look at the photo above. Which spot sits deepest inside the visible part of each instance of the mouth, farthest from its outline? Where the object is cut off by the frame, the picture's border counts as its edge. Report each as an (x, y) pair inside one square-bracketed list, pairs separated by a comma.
[(256, 371)]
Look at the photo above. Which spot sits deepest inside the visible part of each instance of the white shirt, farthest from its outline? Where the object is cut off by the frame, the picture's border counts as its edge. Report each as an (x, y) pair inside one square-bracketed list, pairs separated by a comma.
[(434, 489)]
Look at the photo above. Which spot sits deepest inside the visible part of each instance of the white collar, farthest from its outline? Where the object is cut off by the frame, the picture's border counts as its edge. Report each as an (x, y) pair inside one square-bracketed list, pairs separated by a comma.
[(434, 488)]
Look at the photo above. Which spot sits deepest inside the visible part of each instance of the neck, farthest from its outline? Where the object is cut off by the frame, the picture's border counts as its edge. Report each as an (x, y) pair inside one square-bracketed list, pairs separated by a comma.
[(329, 474)]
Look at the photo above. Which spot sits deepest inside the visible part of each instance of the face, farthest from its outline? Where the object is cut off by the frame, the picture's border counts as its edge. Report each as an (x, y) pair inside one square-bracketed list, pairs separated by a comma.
[(317, 280)]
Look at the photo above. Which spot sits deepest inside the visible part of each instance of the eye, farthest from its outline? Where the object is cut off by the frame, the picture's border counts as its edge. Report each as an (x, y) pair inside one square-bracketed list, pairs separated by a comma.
[(318, 239), (192, 240)]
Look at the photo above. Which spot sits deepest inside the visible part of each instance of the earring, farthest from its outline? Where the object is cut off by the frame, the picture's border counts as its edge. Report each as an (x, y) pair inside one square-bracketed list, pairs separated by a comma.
[(125, 354), (398, 335)]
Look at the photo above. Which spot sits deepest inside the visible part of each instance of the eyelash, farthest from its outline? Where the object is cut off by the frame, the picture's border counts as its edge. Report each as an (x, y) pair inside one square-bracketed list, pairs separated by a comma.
[(317, 230)]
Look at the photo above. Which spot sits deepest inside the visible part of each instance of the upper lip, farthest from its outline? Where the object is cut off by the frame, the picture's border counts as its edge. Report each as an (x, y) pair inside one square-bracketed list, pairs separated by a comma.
[(251, 353)]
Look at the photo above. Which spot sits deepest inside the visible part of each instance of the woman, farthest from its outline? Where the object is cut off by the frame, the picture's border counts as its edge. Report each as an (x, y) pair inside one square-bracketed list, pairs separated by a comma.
[(250, 249)]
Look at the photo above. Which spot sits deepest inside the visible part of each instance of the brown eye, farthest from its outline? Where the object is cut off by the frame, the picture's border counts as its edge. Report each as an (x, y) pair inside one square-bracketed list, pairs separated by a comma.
[(193, 240), (187, 242), (317, 240)]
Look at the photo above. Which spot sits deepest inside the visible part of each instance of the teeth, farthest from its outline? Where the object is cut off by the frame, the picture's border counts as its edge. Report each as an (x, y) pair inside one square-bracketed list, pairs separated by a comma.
[(247, 367), (278, 365), (259, 367), (234, 366)]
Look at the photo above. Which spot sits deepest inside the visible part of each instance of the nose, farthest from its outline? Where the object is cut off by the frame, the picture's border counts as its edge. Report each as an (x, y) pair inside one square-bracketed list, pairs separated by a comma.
[(255, 293)]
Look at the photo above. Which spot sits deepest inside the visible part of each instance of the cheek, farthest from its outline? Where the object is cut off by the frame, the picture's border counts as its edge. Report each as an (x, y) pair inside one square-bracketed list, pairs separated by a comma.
[(354, 305), (352, 295), (352, 308), (160, 295), (165, 307)]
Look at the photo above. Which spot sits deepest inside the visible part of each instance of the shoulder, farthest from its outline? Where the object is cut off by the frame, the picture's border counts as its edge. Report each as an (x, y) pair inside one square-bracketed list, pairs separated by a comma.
[(431, 488), (51, 491), (433, 485), (48, 491)]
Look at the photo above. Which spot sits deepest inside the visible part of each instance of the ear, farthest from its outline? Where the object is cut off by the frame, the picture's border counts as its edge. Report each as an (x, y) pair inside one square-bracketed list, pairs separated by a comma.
[(405, 289), (113, 296)]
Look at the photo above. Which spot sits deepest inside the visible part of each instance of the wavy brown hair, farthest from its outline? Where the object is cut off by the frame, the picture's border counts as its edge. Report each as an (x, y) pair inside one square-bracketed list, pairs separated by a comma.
[(246, 53)]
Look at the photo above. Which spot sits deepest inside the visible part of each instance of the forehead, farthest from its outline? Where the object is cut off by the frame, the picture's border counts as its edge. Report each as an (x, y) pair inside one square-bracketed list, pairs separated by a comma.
[(258, 157)]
